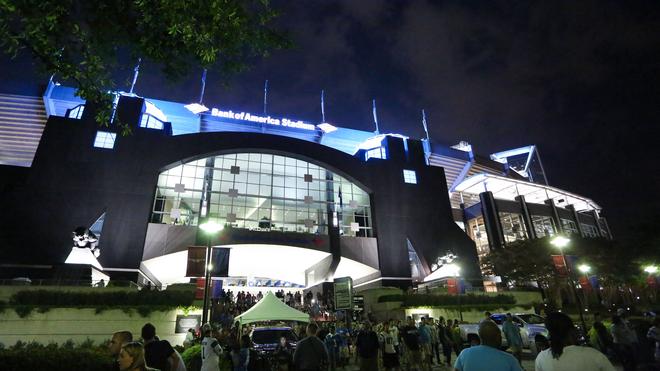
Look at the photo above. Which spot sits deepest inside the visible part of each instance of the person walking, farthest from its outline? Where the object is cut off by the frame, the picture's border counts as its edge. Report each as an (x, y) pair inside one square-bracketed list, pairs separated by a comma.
[(425, 343), (654, 335), (310, 352), (487, 356), (159, 354), (564, 353), (624, 338), (240, 355), (211, 350), (435, 339), (390, 355), (367, 345), (410, 336), (118, 339), (513, 338), (446, 340)]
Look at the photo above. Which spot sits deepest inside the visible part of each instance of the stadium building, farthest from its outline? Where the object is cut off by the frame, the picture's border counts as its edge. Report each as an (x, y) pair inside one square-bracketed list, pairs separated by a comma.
[(300, 202)]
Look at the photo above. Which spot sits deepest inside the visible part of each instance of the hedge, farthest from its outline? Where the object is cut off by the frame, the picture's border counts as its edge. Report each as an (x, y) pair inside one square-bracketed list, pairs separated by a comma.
[(53, 357), (144, 301), (424, 300)]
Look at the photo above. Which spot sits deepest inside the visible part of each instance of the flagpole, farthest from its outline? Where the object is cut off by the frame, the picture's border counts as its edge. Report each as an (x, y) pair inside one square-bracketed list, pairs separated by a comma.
[(201, 94), (426, 129), (322, 107), (136, 72), (373, 103), (265, 96)]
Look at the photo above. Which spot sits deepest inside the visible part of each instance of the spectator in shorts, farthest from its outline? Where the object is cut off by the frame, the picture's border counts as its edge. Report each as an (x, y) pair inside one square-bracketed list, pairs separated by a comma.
[(367, 345), (425, 342), (390, 355), (410, 336), (513, 338), (159, 354)]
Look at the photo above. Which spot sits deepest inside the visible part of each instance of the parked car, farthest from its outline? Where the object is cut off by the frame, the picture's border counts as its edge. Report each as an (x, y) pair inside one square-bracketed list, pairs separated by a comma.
[(265, 339), (530, 325)]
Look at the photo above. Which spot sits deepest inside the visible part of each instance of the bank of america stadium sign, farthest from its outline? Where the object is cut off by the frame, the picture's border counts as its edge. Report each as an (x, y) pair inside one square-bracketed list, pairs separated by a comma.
[(248, 117)]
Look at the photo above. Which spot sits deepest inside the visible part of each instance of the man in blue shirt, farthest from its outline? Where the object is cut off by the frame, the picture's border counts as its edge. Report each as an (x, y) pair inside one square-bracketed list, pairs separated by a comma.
[(487, 357)]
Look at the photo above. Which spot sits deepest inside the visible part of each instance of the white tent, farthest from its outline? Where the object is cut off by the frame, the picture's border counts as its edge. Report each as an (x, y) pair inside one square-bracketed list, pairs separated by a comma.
[(271, 308)]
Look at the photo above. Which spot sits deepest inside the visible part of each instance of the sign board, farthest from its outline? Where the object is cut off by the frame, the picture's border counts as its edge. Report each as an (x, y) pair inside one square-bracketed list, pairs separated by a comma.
[(183, 323), (358, 303), (247, 117), (343, 293)]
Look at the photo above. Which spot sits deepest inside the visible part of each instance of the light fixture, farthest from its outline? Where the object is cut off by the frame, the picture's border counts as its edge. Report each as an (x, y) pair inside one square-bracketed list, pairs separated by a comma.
[(560, 242), (584, 268), (326, 128), (196, 108), (651, 269), (211, 227)]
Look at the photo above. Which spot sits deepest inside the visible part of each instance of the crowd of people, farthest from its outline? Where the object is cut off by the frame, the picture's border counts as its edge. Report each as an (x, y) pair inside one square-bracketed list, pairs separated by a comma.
[(388, 345)]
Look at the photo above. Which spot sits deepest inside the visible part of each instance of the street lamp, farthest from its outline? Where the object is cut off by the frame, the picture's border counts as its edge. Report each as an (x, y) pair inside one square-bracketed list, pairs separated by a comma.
[(584, 268), (210, 227), (561, 242)]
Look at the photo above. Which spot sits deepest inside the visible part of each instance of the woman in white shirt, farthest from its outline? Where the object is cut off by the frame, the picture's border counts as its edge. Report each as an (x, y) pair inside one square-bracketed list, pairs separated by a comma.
[(564, 354)]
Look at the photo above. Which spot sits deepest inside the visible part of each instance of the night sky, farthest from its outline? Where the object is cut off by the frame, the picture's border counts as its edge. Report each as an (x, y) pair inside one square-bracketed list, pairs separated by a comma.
[(580, 79)]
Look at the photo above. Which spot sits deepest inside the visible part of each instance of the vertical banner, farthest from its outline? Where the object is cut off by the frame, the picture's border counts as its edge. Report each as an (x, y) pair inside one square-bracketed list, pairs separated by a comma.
[(584, 283), (452, 286), (220, 262), (199, 291), (461, 286), (593, 281), (558, 261), (196, 261), (216, 292)]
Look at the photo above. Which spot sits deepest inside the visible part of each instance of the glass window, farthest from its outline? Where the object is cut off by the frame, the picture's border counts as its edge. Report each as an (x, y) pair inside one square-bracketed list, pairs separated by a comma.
[(409, 176), (543, 226), (512, 226), (105, 139), (569, 226), (268, 192)]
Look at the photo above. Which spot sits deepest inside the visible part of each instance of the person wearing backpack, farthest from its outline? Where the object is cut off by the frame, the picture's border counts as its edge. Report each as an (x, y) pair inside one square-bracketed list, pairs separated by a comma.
[(367, 345)]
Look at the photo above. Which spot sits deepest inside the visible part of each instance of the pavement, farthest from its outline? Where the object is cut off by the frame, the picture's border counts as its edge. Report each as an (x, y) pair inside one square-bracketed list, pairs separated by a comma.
[(527, 364)]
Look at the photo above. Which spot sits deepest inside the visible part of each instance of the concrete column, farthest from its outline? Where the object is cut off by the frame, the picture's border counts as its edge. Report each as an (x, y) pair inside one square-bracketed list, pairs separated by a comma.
[(597, 220), (491, 220), (527, 217), (555, 215), (576, 219), (607, 228)]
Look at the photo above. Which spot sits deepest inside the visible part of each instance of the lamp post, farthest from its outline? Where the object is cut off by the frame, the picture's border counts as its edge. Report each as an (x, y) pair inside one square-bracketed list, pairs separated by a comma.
[(562, 242), (210, 228), (585, 269)]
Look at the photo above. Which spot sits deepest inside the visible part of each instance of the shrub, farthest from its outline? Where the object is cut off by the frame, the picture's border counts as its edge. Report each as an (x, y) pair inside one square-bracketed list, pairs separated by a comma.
[(192, 357), (469, 300), (53, 357)]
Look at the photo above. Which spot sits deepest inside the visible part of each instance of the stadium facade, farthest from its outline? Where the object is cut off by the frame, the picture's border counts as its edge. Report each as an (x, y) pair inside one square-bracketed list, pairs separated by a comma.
[(300, 202)]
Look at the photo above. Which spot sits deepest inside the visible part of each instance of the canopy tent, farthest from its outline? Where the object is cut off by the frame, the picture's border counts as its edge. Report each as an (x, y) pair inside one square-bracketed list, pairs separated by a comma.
[(271, 308)]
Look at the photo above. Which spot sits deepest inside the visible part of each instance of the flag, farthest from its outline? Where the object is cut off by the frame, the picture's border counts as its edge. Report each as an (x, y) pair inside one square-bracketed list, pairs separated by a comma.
[(322, 108), (219, 262), (199, 289), (201, 94), (373, 103), (584, 283), (196, 261), (216, 292), (593, 281)]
